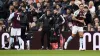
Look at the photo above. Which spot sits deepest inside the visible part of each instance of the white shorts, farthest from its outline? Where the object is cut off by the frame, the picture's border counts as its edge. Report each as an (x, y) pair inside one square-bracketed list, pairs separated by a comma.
[(15, 31), (76, 29)]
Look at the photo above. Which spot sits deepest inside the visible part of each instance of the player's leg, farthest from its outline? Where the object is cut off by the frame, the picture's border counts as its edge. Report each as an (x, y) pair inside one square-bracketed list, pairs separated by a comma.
[(57, 31), (48, 39), (81, 38), (74, 31), (42, 38), (21, 42), (28, 44), (11, 40), (80, 41)]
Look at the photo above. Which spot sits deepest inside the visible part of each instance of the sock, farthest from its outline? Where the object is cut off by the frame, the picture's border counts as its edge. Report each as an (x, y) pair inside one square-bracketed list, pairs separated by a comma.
[(69, 39), (42, 46), (28, 44), (81, 42), (21, 43), (10, 42)]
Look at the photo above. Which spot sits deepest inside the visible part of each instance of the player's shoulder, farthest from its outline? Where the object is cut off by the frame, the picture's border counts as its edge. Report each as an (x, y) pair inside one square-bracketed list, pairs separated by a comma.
[(77, 11)]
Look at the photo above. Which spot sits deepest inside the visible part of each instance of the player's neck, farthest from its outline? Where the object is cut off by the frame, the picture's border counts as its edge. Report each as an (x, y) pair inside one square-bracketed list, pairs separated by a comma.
[(81, 10)]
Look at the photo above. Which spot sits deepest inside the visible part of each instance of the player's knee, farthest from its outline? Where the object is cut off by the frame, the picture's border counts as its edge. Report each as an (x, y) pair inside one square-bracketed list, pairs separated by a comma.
[(73, 35), (81, 35)]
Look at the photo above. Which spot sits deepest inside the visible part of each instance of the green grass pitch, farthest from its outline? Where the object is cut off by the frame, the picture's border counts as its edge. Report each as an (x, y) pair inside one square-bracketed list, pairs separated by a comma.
[(48, 53)]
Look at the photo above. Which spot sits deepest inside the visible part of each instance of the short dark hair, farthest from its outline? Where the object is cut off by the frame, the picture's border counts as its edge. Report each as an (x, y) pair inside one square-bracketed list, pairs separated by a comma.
[(16, 7), (24, 6), (80, 4), (86, 7)]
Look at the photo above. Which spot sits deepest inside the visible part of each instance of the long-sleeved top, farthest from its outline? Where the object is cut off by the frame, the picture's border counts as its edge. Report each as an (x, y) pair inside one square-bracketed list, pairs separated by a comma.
[(45, 19), (57, 21)]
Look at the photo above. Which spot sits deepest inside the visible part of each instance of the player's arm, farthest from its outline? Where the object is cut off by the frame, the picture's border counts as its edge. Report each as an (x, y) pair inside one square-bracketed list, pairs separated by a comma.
[(40, 28), (75, 15), (74, 18), (9, 20), (41, 22), (84, 19), (41, 18), (10, 17), (63, 20)]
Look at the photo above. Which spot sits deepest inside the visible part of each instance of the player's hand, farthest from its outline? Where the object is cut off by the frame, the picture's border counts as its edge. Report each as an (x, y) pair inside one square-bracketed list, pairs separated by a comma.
[(74, 18), (62, 30), (40, 29), (83, 16), (82, 21)]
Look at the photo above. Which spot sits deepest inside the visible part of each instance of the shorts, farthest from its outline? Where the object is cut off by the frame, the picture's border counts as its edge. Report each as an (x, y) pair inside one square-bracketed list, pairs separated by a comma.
[(15, 31), (76, 29)]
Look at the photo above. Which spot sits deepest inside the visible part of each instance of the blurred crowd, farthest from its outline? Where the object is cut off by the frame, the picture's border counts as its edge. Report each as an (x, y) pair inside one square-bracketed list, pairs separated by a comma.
[(36, 8)]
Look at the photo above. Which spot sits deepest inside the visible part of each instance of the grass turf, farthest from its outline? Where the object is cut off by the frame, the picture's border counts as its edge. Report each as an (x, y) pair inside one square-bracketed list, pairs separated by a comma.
[(48, 53)]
